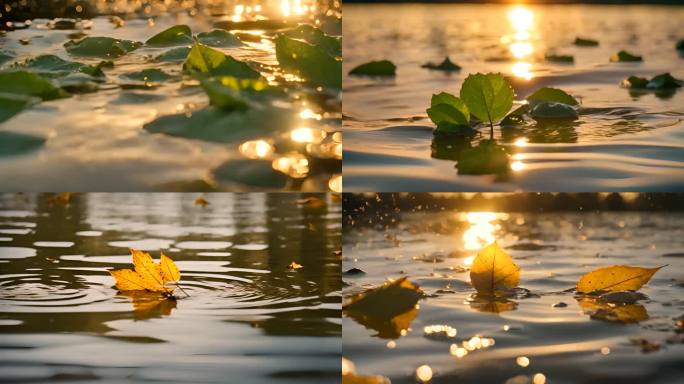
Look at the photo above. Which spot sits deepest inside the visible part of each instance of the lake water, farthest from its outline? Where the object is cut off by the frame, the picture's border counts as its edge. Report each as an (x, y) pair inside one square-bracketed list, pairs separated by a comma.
[(248, 318), (622, 141), (101, 141), (528, 336)]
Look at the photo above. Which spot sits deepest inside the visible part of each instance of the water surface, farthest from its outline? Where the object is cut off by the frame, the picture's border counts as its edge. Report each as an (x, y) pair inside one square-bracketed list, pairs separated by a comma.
[(248, 316), (532, 333), (622, 141)]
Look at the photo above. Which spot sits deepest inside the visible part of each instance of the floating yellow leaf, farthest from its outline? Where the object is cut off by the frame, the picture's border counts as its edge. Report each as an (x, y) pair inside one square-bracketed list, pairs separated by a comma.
[(493, 269), (60, 198), (147, 275), (294, 266), (615, 278), (201, 201)]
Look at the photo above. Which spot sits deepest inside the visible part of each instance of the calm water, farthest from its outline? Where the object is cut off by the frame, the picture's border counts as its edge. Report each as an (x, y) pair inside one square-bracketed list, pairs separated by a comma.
[(248, 317), (622, 141), (553, 250), (97, 141)]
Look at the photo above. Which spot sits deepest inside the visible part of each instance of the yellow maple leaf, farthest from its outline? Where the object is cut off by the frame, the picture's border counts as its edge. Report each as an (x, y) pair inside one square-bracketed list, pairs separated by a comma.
[(201, 201), (493, 269), (615, 278), (147, 275), (294, 266)]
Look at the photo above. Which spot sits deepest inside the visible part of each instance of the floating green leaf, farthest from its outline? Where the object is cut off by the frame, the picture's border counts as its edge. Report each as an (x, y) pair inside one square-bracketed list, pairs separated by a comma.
[(516, 117), (176, 35), (11, 104), (487, 158), (213, 124), (173, 55), (553, 111), (547, 94), (624, 56), (205, 60), (312, 35), (29, 84), (489, 97), (559, 58), (55, 66), (375, 68), (585, 42), (449, 113), (16, 143), (219, 38), (311, 62), (152, 75), (102, 47), (446, 65)]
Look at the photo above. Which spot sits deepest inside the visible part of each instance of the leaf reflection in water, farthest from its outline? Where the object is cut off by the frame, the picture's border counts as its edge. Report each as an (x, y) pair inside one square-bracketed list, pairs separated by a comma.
[(613, 312), (492, 304), (149, 305)]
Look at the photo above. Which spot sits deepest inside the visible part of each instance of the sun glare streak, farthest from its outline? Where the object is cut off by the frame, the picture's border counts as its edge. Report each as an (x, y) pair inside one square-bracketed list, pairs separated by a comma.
[(520, 41), (480, 232)]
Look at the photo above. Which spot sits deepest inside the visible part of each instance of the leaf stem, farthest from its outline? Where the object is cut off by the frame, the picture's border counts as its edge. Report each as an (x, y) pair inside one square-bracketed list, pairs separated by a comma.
[(182, 290)]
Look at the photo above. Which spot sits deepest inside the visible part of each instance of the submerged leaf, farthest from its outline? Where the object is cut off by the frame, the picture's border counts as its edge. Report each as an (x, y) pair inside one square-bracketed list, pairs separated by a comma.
[(624, 56), (176, 35), (493, 270), (311, 62), (375, 68), (102, 47), (555, 95), (173, 55), (615, 278), (446, 65), (11, 104), (553, 111), (29, 84), (219, 38), (15, 143), (205, 60), (387, 301), (489, 96)]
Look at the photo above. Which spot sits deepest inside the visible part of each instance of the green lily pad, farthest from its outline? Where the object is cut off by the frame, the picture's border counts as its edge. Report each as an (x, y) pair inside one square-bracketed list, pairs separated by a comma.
[(152, 75), (176, 35), (314, 36), (311, 62), (213, 124), (375, 68), (16, 143), (662, 81), (449, 113), (226, 97), (102, 47), (547, 94), (624, 56), (553, 111), (29, 84), (55, 66), (489, 96), (586, 42), (219, 38), (487, 158), (174, 55), (559, 58), (6, 56), (205, 60), (446, 65), (11, 104)]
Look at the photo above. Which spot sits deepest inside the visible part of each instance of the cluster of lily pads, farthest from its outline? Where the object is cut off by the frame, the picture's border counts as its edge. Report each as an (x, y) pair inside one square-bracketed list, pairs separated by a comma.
[(245, 97)]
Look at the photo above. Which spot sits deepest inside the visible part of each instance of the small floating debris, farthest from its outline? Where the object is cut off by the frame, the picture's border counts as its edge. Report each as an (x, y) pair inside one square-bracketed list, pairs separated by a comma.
[(294, 266), (559, 305), (446, 65), (354, 272), (582, 42), (375, 68), (624, 56)]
